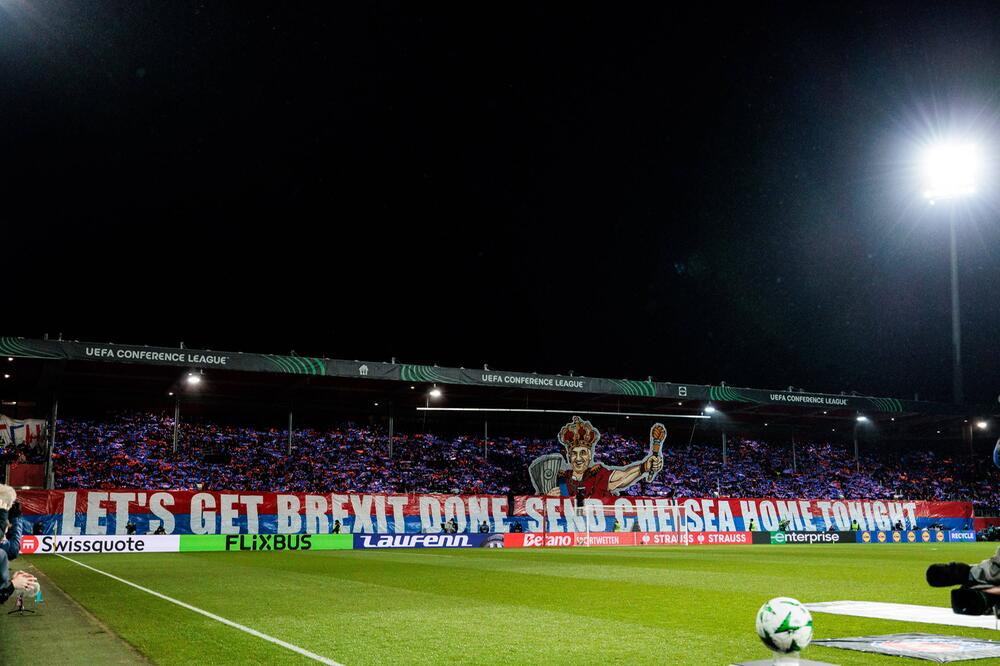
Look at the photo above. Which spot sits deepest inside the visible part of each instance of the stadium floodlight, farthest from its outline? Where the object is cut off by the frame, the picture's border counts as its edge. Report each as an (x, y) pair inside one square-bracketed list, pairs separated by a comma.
[(862, 418), (710, 410), (6, 376), (950, 170), (193, 379), (982, 425), (10, 358), (435, 392)]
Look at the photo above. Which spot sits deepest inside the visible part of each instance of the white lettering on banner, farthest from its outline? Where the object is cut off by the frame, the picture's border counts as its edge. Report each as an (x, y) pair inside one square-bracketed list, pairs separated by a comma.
[(96, 513), (430, 514), (202, 521), (361, 505), (156, 506), (316, 521), (824, 508), (533, 507), (499, 506), (454, 508), (364, 513), (162, 357), (398, 504), (691, 508), (749, 512), (855, 512), (121, 501), (809, 399), (338, 512), (726, 521), (521, 380), (911, 509), (251, 502), (69, 525), (768, 516), (552, 514), (228, 515), (381, 523), (478, 511), (841, 517), (289, 520)]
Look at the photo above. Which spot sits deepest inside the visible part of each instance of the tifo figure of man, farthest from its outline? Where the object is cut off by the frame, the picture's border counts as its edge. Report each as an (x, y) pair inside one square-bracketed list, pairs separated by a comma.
[(979, 591), (584, 477)]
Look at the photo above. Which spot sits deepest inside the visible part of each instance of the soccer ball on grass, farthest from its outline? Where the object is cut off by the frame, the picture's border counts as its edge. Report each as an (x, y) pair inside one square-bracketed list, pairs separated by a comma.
[(784, 625)]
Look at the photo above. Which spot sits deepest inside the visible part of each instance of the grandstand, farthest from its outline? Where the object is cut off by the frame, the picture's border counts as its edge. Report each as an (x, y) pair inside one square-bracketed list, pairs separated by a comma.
[(153, 458)]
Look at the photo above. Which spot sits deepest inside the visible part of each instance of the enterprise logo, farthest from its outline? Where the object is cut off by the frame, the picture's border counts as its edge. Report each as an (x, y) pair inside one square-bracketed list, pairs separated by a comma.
[(413, 541)]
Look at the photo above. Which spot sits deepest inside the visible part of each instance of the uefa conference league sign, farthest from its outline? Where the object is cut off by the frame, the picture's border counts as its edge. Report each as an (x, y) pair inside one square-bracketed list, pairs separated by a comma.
[(303, 365)]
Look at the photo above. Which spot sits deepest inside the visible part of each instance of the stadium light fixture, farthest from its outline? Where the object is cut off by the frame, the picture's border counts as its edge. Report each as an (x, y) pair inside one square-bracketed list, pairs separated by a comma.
[(193, 379), (6, 376), (10, 358), (862, 418), (435, 392), (982, 425), (710, 410), (950, 170)]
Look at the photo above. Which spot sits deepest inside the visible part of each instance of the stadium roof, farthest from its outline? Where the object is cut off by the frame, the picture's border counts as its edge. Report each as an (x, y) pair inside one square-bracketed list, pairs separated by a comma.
[(73, 367)]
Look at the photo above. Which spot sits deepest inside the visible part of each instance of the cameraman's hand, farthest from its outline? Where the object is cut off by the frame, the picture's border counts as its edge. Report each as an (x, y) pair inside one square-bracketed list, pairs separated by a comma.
[(23, 581)]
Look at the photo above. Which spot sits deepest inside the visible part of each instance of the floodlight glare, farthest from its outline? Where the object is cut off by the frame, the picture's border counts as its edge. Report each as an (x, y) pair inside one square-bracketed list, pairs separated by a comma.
[(435, 393), (982, 425), (950, 170), (710, 410), (862, 418), (193, 379)]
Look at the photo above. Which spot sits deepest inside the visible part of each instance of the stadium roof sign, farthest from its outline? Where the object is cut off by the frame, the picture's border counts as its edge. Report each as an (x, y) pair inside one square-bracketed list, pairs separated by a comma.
[(58, 350)]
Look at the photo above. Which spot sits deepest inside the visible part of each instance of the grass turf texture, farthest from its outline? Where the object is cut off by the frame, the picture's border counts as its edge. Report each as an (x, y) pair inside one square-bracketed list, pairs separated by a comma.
[(560, 606)]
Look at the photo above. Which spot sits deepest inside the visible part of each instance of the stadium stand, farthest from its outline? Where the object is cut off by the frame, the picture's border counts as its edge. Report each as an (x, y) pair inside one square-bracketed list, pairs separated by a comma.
[(133, 450)]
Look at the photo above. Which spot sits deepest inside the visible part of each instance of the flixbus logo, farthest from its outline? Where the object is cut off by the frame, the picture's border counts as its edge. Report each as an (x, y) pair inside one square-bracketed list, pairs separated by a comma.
[(412, 541), (269, 542)]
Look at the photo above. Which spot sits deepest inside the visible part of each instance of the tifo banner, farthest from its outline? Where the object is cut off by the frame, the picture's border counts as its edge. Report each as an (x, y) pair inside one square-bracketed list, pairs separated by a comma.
[(173, 543), (27, 431), (99, 512)]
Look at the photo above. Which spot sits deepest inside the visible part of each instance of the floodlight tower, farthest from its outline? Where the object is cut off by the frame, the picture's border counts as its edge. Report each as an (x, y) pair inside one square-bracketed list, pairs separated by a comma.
[(951, 171)]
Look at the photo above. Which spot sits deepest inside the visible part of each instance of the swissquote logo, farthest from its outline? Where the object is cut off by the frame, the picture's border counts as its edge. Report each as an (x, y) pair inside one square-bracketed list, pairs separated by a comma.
[(29, 544), (414, 541)]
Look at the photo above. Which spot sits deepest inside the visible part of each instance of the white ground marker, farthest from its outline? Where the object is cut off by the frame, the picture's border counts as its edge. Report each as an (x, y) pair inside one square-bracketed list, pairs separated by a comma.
[(235, 625)]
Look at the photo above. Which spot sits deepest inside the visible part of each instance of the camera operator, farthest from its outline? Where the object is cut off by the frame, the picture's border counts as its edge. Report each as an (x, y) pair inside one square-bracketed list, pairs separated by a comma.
[(10, 522)]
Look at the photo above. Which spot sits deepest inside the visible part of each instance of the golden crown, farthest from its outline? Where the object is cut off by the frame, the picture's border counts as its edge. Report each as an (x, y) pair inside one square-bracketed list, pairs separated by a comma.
[(579, 433)]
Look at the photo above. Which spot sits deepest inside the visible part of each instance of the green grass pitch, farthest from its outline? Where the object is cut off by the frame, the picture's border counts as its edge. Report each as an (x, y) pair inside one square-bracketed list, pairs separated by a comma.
[(555, 606)]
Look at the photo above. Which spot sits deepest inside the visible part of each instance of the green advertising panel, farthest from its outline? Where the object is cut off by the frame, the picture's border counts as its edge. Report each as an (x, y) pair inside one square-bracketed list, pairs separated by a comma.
[(191, 543)]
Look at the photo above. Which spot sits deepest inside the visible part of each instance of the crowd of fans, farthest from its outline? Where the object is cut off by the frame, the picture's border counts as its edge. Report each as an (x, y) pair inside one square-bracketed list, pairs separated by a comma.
[(135, 450)]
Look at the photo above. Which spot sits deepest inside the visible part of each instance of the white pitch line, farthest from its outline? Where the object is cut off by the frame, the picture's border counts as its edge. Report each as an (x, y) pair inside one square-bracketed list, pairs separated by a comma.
[(235, 625)]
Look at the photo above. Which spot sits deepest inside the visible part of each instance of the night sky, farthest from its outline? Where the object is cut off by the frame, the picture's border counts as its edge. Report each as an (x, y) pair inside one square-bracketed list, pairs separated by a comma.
[(698, 196)]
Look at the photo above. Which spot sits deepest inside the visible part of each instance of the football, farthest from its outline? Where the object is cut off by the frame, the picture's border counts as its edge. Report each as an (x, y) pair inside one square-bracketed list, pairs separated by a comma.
[(784, 625)]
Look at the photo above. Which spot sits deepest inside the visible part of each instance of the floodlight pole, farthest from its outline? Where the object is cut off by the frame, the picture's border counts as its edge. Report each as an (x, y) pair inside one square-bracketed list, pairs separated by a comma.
[(857, 462), (486, 438), (289, 432), (956, 328), (724, 443), (177, 420), (49, 473)]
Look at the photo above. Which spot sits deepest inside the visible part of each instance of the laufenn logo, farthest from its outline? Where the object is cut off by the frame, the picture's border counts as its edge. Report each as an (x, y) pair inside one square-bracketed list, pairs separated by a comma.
[(416, 541), (269, 542)]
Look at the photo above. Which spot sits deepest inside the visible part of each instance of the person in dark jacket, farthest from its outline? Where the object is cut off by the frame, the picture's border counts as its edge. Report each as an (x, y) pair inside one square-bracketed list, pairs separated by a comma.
[(19, 581)]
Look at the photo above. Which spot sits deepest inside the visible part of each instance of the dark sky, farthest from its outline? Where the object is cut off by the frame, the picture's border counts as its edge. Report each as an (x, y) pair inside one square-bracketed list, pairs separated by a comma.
[(697, 196)]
